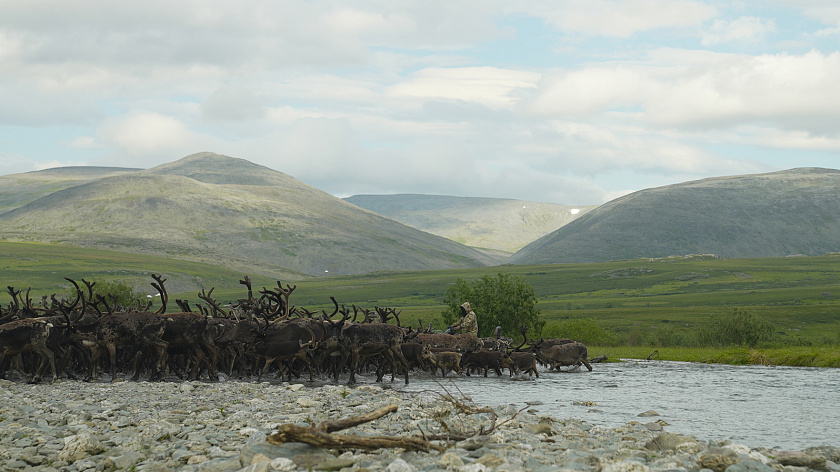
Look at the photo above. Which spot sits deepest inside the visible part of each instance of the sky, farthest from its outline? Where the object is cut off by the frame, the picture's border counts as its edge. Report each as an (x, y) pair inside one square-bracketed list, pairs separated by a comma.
[(573, 102)]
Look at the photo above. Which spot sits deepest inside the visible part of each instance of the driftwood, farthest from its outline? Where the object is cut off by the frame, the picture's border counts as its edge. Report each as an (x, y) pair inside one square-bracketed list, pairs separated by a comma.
[(321, 435)]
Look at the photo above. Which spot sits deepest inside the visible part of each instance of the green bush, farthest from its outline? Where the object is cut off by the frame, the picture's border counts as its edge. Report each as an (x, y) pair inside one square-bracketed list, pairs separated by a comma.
[(114, 289), (502, 300), (740, 328)]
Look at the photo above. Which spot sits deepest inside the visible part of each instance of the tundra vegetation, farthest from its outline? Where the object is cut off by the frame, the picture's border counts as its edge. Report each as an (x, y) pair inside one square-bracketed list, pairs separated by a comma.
[(620, 308), (503, 299)]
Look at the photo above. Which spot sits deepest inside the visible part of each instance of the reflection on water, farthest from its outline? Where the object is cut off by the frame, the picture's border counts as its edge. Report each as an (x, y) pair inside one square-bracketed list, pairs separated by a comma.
[(759, 406)]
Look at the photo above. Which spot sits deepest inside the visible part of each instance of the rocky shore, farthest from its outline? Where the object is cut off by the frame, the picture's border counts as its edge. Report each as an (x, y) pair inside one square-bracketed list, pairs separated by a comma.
[(222, 426)]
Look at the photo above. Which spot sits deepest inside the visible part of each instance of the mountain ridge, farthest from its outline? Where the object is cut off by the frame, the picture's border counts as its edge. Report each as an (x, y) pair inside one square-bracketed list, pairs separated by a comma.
[(757, 215), (496, 224), (257, 218)]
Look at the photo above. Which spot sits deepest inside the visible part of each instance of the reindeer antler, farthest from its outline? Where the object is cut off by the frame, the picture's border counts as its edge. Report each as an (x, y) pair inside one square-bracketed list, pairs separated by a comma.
[(164, 297), (210, 301)]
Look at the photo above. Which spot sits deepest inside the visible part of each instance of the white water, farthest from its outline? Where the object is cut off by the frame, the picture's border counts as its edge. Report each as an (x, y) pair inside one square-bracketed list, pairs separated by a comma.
[(759, 406)]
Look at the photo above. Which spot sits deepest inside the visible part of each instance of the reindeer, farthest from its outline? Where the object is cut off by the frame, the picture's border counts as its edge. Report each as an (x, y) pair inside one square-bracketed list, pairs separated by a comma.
[(484, 360), (560, 355), (27, 335), (444, 360), (517, 362), (188, 334), (287, 352), (363, 340)]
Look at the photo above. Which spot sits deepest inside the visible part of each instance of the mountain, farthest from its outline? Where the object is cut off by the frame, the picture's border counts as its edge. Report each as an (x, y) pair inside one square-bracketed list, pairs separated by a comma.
[(502, 226), (19, 189), (763, 215), (212, 208)]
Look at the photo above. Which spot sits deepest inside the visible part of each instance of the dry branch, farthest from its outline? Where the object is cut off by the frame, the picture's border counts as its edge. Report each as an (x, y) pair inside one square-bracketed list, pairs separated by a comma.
[(321, 435)]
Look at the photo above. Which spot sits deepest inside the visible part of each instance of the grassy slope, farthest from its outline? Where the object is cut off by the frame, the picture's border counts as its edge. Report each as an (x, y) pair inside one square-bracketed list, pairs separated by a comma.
[(42, 267), (211, 208), (19, 189), (762, 215)]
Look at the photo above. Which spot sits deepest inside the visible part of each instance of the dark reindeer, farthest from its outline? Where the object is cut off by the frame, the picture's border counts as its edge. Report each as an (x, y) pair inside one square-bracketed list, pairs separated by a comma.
[(27, 335)]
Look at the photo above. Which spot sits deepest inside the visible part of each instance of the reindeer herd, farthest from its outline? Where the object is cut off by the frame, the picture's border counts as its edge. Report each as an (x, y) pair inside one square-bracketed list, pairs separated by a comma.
[(262, 335)]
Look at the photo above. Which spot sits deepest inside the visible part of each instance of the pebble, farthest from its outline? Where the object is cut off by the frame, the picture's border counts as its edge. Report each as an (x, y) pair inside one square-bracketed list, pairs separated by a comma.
[(70, 426)]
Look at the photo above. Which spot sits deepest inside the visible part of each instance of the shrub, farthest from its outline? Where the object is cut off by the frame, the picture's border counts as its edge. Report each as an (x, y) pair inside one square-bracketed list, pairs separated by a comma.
[(124, 293), (740, 328), (502, 300)]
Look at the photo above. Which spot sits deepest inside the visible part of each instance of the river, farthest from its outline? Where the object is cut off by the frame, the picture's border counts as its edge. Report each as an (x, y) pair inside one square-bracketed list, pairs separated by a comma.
[(758, 406)]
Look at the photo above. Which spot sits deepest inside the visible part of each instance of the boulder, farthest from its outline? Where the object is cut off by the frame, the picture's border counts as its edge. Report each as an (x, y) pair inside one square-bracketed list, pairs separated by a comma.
[(717, 458), (79, 446), (674, 442), (801, 459)]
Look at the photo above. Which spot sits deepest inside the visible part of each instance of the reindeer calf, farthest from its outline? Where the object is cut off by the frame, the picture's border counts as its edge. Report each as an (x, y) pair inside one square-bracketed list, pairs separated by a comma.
[(518, 362), (443, 360), (484, 359)]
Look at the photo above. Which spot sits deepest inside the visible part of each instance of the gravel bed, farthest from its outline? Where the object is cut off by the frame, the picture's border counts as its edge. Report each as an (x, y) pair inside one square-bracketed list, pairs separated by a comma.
[(222, 426)]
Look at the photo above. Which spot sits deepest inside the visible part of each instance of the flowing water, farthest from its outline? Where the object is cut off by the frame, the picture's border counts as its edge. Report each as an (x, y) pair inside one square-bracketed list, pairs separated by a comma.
[(758, 406)]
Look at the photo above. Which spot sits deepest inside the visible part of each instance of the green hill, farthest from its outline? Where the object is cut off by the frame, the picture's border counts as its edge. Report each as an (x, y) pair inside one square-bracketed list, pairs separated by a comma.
[(19, 189), (496, 224), (764, 215), (231, 212)]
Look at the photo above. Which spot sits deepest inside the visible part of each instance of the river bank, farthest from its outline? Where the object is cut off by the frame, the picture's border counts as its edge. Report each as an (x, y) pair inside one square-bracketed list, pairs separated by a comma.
[(209, 426), (798, 356)]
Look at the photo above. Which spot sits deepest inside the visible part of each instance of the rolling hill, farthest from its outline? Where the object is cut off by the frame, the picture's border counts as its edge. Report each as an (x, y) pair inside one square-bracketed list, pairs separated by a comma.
[(501, 226), (212, 208), (763, 215), (19, 189)]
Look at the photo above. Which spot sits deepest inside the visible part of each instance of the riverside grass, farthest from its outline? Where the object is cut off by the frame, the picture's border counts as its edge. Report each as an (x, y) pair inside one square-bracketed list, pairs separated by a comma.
[(798, 356), (638, 300)]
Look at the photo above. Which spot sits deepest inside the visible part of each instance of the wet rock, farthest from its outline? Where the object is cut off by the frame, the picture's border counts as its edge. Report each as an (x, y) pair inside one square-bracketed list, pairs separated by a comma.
[(831, 453), (648, 413), (717, 458), (749, 465), (674, 442), (801, 459)]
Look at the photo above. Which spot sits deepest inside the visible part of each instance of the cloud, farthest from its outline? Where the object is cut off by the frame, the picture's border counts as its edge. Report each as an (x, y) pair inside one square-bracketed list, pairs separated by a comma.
[(233, 103), (786, 90), (743, 29), (434, 96), (83, 142), (623, 18), (700, 90), (490, 86), (151, 134)]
